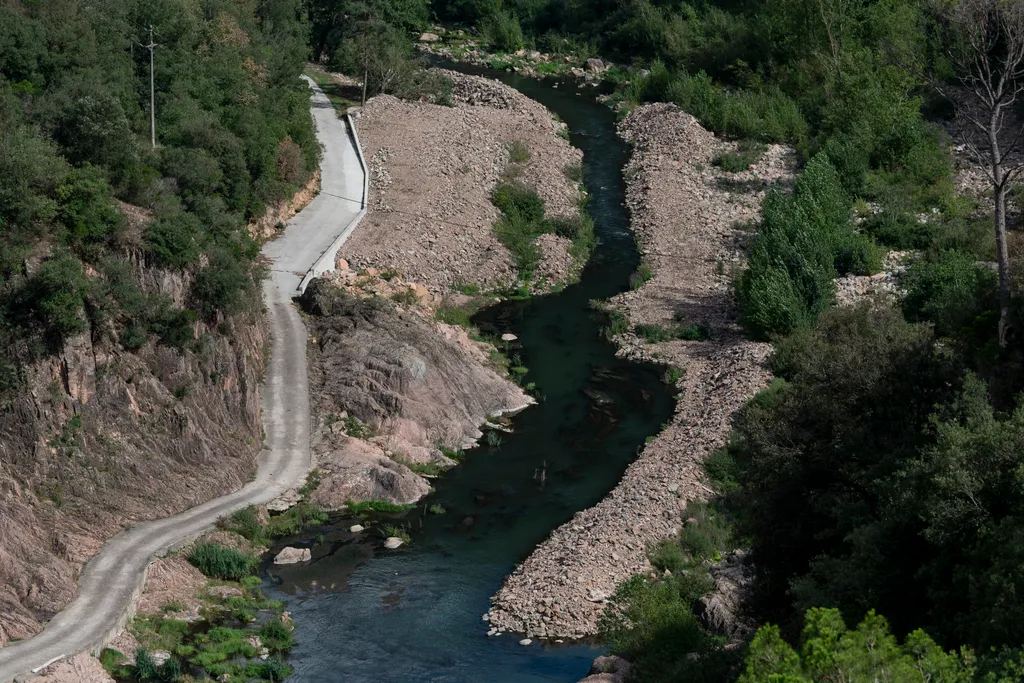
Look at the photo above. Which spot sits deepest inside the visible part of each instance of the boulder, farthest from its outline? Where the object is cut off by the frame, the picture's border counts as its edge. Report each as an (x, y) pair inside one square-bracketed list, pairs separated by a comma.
[(393, 542), (595, 65), (429, 38), (610, 664), (356, 528), (358, 470), (721, 611), (525, 641), (291, 555), (509, 337)]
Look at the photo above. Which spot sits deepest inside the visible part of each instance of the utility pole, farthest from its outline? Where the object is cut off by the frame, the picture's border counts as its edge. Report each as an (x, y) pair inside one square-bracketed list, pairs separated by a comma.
[(152, 92), (366, 77)]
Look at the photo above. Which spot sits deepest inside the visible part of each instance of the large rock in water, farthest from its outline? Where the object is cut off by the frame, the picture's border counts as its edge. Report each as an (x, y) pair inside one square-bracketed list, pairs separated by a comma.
[(291, 555)]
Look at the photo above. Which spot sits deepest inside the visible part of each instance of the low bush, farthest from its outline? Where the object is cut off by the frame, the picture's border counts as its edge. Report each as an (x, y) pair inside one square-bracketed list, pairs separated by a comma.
[(655, 334), (218, 562), (952, 292), (502, 32), (519, 202), (640, 276), (518, 151), (747, 154)]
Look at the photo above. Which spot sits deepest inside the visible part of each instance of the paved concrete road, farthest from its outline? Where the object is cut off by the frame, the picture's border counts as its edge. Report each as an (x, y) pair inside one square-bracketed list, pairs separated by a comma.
[(109, 581)]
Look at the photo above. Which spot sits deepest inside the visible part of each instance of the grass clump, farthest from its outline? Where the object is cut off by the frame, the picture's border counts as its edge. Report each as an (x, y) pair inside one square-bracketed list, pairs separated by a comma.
[(618, 323), (381, 506), (640, 276), (747, 154), (396, 531), (408, 297), (358, 429), (437, 509), (297, 519), (217, 562), (518, 152), (455, 454), (574, 172)]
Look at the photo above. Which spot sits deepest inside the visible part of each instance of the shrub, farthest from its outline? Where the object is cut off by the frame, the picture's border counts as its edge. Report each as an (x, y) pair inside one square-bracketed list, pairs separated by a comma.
[(748, 154), (173, 239), (640, 276), (574, 172), (518, 236), (518, 152), (453, 316), (792, 263), (58, 294), (502, 32), (221, 285), (953, 293), (218, 562), (519, 202)]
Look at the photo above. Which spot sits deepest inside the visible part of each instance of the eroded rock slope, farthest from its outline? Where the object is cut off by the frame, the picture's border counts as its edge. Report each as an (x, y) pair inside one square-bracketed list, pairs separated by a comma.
[(390, 387)]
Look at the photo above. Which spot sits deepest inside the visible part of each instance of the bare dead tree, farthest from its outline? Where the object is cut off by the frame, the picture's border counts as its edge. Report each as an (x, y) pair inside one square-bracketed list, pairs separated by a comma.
[(985, 46)]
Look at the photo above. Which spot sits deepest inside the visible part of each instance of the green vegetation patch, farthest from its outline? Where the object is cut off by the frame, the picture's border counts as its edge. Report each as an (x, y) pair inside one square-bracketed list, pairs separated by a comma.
[(748, 153), (218, 562)]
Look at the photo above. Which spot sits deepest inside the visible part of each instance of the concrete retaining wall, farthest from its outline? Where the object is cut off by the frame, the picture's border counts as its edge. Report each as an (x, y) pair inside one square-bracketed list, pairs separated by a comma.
[(326, 262)]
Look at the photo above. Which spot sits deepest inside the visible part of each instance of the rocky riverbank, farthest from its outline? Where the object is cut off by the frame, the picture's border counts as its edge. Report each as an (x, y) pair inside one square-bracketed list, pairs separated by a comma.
[(432, 170), (691, 222), (395, 394), (459, 46)]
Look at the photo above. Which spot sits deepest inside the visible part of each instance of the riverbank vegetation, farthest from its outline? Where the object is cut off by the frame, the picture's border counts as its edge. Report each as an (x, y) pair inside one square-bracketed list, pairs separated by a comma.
[(242, 636), (878, 474)]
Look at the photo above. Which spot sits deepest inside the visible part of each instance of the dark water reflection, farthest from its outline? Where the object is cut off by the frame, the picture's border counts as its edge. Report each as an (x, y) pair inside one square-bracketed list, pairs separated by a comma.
[(366, 614)]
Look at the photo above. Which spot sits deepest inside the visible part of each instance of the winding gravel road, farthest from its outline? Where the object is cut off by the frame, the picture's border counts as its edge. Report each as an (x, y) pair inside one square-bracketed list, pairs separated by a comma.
[(110, 580)]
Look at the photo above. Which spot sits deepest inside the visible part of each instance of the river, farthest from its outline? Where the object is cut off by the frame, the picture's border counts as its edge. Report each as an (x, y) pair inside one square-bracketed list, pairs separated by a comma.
[(363, 613)]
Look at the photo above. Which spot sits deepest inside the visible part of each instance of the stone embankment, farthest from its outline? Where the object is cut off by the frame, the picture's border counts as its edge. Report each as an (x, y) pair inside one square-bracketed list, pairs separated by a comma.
[(690, 219), (432, 170)]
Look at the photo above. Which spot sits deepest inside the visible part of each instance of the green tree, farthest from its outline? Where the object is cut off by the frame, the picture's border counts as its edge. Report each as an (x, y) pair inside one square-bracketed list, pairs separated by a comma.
[(867, 654)]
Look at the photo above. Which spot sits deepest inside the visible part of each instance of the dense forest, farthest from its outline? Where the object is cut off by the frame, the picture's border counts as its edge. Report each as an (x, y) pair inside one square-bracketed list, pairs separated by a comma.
[(233, 134)]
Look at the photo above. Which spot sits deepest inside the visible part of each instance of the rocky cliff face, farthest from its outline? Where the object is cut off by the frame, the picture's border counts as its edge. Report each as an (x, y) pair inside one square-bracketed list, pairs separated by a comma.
[(389, 388), (99, 438)]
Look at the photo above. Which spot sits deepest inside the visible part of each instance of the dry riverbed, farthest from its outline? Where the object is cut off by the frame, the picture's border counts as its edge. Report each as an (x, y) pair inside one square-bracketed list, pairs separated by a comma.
[(690, 220), (432, 171)]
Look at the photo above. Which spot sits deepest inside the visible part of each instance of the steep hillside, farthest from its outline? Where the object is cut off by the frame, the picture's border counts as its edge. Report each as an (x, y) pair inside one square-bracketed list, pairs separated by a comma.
[(131, 329)]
